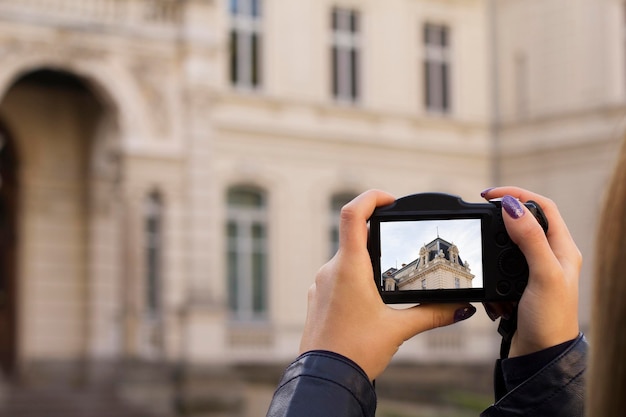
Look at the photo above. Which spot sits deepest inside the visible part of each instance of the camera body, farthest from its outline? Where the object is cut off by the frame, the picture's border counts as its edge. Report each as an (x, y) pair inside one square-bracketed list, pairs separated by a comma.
[(435, 247)]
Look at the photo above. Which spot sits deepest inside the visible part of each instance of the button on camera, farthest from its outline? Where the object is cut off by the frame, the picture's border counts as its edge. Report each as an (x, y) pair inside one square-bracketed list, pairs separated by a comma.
[(512, 263), (503, 288)]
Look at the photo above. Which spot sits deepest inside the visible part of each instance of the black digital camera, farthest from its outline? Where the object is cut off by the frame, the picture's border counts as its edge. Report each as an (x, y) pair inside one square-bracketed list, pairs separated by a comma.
[(435, 247)]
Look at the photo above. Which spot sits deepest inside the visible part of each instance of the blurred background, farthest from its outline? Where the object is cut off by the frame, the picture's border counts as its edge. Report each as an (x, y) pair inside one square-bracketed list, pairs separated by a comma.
[(172, 173)]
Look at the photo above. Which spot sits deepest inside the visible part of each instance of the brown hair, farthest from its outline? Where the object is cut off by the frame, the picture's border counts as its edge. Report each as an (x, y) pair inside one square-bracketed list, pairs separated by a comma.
[(606, 382)]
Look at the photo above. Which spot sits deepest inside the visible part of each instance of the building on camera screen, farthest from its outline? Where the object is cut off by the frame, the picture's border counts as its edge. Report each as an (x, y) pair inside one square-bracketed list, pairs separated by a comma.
[(439, 266)]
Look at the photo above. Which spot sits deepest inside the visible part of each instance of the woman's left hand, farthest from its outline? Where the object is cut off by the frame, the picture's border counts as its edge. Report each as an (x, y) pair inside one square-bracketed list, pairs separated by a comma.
[(548, 310)]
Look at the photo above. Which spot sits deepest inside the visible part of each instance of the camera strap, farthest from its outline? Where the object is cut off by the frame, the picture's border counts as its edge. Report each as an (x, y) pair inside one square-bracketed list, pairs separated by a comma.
[(507, 329)]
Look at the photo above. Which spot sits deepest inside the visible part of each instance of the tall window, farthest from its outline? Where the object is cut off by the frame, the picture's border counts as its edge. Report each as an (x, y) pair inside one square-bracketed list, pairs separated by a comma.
[(246, 232), (437, 68), (153, 232), (346, 45), (245, 43), (337, 202)]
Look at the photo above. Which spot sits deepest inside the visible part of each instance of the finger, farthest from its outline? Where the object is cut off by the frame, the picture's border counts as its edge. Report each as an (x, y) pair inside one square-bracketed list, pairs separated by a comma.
[(496, 310), (558, 235), (526, 233), (354, 216), (424, 317), (556, 223)]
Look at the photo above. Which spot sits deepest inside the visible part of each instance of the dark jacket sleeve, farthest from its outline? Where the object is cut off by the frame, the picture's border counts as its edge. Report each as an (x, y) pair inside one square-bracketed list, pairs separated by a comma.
[(556, 390), (323, 384)]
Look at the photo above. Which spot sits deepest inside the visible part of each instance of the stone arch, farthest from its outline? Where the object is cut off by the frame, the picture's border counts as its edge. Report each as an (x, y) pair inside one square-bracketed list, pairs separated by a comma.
[(67, 128), (112, 84)]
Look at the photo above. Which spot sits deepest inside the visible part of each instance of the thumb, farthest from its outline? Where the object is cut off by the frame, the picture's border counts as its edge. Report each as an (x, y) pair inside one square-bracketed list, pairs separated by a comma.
[(424, 317)]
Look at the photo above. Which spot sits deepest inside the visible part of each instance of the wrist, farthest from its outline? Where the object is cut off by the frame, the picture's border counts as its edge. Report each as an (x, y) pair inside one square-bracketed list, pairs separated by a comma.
[(528, 346)]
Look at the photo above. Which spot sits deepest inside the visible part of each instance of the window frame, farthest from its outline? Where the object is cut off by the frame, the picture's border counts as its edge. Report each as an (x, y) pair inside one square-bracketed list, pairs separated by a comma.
[(153, 228), (246, 41), (247, 256), (437, 67), (346, 55), (337, 201)]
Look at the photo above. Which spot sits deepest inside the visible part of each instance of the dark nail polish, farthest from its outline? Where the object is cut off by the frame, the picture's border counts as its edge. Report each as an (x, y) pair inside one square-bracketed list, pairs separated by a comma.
[(464, 313), (512, 206), (484, 192)]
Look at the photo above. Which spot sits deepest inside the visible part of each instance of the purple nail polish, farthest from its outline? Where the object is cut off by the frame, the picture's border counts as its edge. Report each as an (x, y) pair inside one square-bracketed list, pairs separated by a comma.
[(464, 313), (485, 192), (512, 206)]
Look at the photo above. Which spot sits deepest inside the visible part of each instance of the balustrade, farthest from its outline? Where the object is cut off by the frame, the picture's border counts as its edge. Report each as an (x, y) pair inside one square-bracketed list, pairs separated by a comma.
[(104, 12)]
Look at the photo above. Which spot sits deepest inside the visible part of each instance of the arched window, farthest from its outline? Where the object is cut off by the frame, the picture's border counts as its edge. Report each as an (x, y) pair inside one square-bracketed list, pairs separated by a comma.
[(153, 238), (246, 234), (337, 202)]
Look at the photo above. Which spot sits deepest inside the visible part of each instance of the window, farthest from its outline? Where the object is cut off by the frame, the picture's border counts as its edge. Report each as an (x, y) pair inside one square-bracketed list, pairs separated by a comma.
[(345, 55), (437, 68), (245, 43), (153, 232), (246, 233), (337, 202), (457, 282)]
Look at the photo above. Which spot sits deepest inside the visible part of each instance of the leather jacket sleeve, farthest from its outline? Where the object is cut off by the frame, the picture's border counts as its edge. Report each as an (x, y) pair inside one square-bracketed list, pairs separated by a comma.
[(323, 384), (556, 390)]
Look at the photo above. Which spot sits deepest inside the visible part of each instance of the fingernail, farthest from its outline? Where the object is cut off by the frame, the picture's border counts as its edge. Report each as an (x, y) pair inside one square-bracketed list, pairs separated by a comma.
[(512, 206), (485, 192), (464, 313)]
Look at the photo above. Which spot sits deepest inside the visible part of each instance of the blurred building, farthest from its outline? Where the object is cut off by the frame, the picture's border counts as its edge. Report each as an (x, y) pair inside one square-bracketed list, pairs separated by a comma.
[(172, 170)]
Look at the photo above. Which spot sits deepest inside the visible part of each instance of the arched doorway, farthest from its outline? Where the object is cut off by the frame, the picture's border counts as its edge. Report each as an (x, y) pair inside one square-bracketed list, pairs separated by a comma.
[(8, 248), (58, 123)]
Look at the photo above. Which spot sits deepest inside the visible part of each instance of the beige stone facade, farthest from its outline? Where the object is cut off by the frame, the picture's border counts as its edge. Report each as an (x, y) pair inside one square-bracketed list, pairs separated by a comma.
[(132, 142), (561, 100)]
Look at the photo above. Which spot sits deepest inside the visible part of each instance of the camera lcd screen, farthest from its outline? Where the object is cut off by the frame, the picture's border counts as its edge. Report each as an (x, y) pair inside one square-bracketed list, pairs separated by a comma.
[(421, 255)]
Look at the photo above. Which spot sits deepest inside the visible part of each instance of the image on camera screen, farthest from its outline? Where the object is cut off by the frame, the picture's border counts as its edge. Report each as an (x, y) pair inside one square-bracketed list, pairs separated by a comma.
[(431, 255)]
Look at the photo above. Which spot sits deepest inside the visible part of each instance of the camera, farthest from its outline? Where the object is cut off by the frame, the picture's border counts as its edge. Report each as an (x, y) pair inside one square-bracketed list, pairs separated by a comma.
[(435, 247)]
